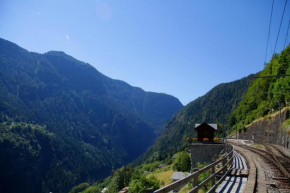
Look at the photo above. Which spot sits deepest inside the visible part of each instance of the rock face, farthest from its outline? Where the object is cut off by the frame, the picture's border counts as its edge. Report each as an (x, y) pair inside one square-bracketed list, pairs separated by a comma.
[(268, 130)]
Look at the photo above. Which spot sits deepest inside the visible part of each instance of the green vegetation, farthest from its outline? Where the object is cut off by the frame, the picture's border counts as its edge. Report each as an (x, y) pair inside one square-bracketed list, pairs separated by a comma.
[(138, 178), (138, 181), (204, 176), (38, 159), (163, 175), (265, 95), (128, 176), (182, 162), (214, 107), (259, 146), (122, 178), (143, 183), (150, 167), (63, 123), (201, 178), (81, 187), (286, 126)]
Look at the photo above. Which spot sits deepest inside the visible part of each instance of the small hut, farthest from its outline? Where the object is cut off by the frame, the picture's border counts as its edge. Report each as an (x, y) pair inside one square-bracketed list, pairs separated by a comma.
[(205, 130)]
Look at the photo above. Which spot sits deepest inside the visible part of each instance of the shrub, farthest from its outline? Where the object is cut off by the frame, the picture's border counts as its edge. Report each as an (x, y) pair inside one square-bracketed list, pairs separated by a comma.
[(182, 162), (79, 188), (143, 183)]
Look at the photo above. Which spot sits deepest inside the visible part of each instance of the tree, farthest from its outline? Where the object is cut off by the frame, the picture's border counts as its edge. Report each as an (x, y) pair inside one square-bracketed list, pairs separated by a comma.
[(182, 162), (81, 187), (143, 183), (121, 178)]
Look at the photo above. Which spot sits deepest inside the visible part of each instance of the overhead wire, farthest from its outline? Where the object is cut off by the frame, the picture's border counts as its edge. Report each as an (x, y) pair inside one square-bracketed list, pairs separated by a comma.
[(272, 76), (271, 46), (286, 38), (280, 26), (269, 31)]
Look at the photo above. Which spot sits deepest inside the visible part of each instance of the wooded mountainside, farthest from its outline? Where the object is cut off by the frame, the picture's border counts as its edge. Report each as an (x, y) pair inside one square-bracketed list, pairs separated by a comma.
[(220, 105), (214, 107), (62, 122), (266, 93), (238, 102)]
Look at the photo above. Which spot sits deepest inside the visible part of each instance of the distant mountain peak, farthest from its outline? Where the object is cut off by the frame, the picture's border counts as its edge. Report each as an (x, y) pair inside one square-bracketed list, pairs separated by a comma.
[(68, 118)]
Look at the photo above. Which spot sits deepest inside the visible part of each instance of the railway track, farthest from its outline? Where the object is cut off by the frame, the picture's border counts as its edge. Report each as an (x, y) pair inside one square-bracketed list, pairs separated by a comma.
[(281, 153), (281, 161), (279, 165)]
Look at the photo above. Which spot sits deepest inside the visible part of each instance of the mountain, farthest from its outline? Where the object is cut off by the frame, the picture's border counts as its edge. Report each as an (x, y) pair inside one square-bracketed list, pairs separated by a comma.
[(63, 122), (214, 107), (267, 93)]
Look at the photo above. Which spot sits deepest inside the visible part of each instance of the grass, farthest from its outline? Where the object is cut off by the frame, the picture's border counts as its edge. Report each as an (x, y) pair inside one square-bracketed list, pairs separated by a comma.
[(187, 188), (259, 146), (163, 175), (91, 189)]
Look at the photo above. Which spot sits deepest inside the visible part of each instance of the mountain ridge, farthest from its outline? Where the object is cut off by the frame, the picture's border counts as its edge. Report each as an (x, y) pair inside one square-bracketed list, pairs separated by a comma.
[(83, 115), (213, 107)]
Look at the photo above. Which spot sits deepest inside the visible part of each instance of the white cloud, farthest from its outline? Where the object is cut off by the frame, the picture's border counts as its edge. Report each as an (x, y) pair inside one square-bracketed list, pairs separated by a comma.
[(67, 37)]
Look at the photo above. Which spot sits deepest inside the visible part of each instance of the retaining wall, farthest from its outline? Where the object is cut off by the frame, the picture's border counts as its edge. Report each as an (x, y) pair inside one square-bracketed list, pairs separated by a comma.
[(268, 130), (205, 152)]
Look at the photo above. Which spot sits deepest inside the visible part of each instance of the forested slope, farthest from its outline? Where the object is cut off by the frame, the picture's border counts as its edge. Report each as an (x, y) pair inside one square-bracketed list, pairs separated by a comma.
[(63, 122), (214, 107), (267, 92)]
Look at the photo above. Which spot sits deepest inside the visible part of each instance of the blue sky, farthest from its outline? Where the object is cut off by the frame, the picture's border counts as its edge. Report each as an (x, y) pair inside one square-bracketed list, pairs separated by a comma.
[(179, 47)]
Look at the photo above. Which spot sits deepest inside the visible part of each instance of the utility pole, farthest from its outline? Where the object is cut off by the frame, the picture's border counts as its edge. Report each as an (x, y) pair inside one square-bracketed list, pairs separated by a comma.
[(223, 133), (227, 133), (280, 116), (236, 128), (236, 125), (280, 113)]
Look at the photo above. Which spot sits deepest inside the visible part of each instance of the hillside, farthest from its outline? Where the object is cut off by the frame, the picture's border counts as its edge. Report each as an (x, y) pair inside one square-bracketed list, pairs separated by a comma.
[(273, 128), (63, 122), (213, 107), (266, 93)]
